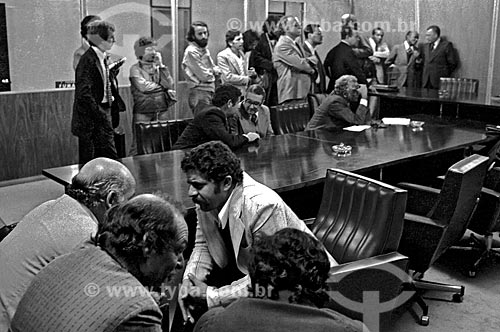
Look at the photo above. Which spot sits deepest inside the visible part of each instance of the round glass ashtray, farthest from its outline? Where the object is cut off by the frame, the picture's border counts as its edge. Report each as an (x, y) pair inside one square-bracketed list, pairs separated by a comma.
[(416, 124), (341, 149)]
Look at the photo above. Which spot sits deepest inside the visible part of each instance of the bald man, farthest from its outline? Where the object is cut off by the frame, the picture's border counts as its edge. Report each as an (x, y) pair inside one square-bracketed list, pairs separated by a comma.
[(56, 227)]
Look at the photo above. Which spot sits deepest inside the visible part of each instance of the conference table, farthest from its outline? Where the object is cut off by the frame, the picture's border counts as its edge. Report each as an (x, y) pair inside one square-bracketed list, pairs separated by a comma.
[(293, 161)]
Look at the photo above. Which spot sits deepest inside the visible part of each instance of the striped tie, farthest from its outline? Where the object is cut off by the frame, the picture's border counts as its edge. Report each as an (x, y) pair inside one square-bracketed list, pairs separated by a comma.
[(109, 93)]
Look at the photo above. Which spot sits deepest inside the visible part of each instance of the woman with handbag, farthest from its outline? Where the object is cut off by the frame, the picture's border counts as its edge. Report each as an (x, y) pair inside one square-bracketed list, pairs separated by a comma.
[(151, 85)]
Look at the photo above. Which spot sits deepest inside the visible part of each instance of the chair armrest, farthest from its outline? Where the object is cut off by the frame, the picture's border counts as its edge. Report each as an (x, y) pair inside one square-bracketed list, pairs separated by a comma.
[(420, 239), (421, 199), (309, 222), (486, 217)]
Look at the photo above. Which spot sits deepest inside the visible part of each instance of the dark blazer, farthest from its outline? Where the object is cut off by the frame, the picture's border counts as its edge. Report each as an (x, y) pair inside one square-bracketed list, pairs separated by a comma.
[(341, 60), (261, 58), (89, 91), (441, 62), (335, 112), (209, 125), (320, 70)]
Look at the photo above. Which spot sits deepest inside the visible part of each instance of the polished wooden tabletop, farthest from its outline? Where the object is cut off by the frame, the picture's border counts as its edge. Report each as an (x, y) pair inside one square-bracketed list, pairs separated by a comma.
[(432, 95), (287, 162)]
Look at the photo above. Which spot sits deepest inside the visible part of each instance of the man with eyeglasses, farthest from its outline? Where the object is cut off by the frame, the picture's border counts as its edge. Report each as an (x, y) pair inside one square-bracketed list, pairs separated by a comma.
[(335, 111), (97, 102), (252, 115)]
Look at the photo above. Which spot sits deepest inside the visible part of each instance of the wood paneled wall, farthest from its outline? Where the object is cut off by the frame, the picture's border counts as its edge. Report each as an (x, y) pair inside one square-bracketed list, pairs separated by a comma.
[(35, 131)]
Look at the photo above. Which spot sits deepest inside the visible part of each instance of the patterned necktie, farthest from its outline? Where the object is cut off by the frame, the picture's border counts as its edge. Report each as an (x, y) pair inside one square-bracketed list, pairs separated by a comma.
[(109, 93), (253, 118)]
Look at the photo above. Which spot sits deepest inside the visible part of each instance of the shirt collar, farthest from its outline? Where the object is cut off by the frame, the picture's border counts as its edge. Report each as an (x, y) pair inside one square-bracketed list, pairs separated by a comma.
[(436, 43), (100, 54), (224, 212), (311, 48), (407, 45), (345, 42)]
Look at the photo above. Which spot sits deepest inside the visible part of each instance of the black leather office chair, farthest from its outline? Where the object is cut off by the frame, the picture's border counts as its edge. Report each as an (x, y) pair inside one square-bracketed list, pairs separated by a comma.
[(289, 118), (360, 222), (437, 219), (485, 221), (158, 136)]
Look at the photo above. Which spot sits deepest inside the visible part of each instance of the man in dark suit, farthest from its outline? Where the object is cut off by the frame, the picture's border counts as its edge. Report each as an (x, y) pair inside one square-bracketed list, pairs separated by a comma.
[(438, 56), (261, 59), (211, 124), (97, 102), (341, 59), (314, 37)]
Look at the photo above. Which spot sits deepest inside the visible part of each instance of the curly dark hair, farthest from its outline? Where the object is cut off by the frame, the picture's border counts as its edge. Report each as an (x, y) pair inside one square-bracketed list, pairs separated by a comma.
[(230, 35), (101, 28), (225, 93), (85, 22), (146, 221), (214, 160), (250, 40), (289, 260)]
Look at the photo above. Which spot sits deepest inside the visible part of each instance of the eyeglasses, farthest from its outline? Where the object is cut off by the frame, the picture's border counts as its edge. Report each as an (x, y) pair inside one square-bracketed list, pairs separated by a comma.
[(251, 102)]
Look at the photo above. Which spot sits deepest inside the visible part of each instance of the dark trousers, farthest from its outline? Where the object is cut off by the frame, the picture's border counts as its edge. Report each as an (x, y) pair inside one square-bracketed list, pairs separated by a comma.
[(100, 144)]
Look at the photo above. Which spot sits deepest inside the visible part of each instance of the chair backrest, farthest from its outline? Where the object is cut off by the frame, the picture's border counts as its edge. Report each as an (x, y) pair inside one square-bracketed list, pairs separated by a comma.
[(315, 100), (290, 118), (456, 86), (458, 197), (359, 217), (158, 136)]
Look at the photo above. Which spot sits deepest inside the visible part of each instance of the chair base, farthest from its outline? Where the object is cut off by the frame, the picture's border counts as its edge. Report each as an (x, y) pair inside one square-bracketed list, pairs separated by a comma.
[(485, 248), (419, 286)]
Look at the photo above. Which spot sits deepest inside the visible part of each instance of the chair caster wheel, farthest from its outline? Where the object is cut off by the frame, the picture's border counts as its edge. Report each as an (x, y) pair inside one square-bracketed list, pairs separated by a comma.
[(472, 274), (424, 320), (458, 298)]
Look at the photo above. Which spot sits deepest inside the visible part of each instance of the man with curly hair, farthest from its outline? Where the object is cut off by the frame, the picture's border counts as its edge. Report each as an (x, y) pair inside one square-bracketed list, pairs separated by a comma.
[(232, 209), (335, 111), (288, 272), (105, 286), (55, 227)]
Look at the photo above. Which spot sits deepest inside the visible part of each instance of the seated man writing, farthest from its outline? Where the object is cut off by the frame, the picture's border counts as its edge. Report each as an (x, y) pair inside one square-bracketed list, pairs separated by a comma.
[(335, 111), (232, 209)]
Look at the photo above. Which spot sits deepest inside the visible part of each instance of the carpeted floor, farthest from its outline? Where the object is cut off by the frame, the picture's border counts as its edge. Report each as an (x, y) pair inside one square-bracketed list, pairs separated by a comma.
[(480, 310)]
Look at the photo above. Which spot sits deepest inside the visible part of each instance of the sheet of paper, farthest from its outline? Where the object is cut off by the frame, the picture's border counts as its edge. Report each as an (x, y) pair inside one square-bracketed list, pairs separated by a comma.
[(357, 128), (396, 121)]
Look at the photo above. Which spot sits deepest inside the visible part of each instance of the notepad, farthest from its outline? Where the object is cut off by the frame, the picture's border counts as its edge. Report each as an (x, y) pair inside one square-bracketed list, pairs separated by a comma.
[(357, 128), (396, 121)]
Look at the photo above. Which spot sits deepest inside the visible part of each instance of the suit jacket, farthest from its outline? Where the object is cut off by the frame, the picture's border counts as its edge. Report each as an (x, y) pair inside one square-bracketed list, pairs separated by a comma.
[(89, 92), (209, 125), (341, 60), (404, 68), (441, 62), (261, 57), (231, 72), (320, 71), (335, 112), (293, 68), (253, 209)]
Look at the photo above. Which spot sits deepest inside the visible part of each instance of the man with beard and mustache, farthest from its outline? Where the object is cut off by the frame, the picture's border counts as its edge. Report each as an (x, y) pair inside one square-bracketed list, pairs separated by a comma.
[(335, 111), (232, 209), (105, 285), (199, 68)]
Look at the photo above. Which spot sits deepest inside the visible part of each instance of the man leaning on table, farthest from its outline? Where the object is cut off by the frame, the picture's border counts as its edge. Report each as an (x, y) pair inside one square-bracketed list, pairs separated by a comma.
[(335, 111), (232, 210)]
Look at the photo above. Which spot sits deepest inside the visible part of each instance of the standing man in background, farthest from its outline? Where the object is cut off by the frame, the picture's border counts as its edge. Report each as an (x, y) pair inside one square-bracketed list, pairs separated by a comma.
[(402, 61), (314, 37), (380, 53), (438, 57), (293, 67), (199, 67), (97, 102)]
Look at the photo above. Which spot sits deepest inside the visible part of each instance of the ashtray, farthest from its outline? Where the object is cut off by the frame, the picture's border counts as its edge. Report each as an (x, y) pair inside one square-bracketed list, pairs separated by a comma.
[(342, 149), (416, 124)]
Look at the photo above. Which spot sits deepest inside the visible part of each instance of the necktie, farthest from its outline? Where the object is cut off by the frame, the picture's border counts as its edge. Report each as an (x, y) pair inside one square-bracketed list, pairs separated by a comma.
[(409, 52), (253, 118), (109, 93), (432, 47)]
